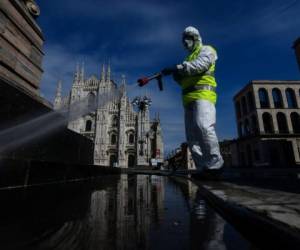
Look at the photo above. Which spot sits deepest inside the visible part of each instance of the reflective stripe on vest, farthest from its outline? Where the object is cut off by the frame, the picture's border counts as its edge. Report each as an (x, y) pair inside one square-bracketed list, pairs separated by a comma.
[(198, 87), (190, 82)]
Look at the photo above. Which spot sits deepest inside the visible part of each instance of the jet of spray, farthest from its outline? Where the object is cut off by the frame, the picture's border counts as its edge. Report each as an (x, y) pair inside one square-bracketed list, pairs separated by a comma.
[(14, 137)]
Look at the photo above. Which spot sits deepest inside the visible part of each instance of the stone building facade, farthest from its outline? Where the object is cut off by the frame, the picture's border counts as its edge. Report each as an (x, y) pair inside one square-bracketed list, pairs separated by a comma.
[(122, 136), (21, 45), (268, 122)]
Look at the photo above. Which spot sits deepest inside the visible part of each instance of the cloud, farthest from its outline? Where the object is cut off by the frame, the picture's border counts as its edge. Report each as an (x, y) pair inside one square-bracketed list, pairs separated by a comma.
[(256, 20)]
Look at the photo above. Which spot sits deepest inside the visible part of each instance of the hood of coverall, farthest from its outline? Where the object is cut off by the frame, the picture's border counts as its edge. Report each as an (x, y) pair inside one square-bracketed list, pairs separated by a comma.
[(191, 38)]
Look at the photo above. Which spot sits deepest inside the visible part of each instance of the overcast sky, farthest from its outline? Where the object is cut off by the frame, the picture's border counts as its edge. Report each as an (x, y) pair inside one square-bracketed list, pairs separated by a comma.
[(253, 40)]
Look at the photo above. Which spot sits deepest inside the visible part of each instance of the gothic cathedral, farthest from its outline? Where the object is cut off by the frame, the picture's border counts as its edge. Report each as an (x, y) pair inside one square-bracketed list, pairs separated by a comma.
[(122, 136)]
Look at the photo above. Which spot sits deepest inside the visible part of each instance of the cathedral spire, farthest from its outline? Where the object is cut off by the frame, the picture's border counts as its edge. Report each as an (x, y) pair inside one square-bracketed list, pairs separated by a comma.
[(58, 99), (82, 73), (76, 75), (103, 73), (108, 72), (123, 84), (123, 80)]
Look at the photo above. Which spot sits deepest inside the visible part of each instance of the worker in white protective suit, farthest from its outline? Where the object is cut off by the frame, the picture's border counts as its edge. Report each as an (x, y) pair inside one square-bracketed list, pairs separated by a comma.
[(197, 80)]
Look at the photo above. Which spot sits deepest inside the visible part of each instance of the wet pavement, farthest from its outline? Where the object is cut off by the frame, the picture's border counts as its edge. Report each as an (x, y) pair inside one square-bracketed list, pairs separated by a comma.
[(277, 212), (115, 212)]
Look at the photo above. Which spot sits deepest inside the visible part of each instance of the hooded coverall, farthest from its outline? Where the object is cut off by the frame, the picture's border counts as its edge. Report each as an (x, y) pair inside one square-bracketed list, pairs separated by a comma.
[(196, 77)]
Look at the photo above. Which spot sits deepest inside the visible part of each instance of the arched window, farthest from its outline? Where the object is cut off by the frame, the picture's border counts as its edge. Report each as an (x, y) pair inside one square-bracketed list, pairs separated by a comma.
[(131, 138), (131, 160), (238, 109), (91, 100), (250, 99), (291, 98), (240, 129), (113, 139), (295, 119), (268, 123), (263, 98), (246, 127), (282, 123), (244, 105), (114, 121), (88, 125), (277, 98), (254, 124)]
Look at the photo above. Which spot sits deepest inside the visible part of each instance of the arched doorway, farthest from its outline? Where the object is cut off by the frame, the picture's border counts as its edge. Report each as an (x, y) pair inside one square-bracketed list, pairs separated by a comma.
[(131, 161), (112, 160)]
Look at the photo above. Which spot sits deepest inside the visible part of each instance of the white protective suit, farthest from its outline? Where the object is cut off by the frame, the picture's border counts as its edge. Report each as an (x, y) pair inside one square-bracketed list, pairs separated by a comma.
[(200, 115)]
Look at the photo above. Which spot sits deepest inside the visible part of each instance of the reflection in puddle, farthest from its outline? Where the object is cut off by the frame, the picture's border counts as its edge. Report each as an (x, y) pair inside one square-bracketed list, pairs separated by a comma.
[(126, 212)]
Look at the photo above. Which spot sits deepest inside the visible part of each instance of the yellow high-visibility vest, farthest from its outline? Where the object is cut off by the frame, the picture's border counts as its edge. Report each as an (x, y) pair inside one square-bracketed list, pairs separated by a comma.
[(189, 84)]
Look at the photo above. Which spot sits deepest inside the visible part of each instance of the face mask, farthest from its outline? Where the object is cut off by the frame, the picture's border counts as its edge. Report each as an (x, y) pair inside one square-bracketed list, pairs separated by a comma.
[(188, 44)]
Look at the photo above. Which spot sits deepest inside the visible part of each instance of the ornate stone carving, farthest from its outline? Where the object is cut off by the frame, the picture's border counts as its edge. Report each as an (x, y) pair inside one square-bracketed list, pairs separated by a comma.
[(32, 7)]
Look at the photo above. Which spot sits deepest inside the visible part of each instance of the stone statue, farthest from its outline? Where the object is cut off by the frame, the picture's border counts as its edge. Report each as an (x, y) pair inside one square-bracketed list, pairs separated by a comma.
[(32, 7)]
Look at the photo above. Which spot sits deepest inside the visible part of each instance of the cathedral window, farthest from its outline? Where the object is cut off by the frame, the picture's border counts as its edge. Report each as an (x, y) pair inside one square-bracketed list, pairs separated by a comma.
[(88, 125), (114, 121), (113, 139), (131, 138)]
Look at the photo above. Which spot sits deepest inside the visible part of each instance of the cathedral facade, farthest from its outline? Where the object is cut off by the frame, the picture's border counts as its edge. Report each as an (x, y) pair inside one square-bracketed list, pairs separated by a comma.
[(122, 136)]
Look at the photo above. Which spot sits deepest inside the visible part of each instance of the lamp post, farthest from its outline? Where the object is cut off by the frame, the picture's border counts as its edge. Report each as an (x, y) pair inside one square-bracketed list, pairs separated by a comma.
[(142, 103)]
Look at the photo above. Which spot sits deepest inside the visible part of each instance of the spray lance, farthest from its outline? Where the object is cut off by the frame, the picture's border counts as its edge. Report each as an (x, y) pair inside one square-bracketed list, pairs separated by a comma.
[(145, 80), (158, 76)]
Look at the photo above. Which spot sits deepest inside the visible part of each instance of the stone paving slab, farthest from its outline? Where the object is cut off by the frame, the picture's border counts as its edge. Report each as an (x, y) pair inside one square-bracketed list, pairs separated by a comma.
[(278, 206)]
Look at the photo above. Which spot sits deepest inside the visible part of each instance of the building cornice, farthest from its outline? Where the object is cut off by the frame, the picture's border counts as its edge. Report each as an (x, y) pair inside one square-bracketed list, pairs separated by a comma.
[(266, 82)]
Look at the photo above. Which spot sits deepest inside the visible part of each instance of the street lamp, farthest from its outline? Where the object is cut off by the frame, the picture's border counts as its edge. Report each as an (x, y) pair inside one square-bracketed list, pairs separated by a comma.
[(142, 103)]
